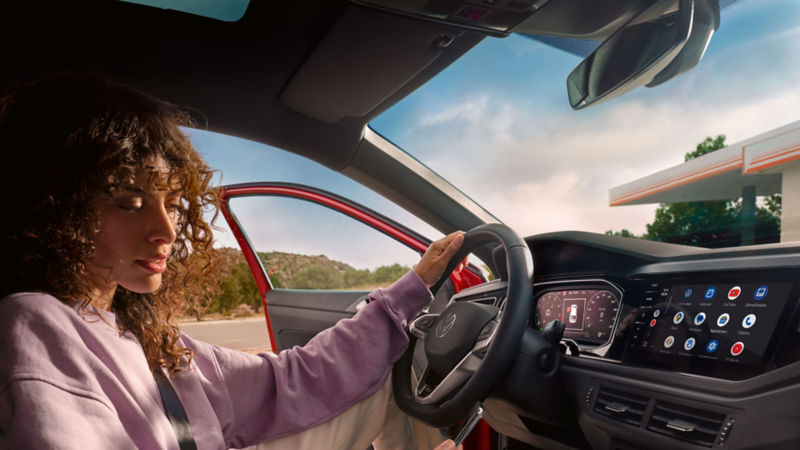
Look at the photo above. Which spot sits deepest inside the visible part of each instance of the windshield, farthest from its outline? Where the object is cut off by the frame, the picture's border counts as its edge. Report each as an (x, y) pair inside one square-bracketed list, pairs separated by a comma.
[(692, 161)]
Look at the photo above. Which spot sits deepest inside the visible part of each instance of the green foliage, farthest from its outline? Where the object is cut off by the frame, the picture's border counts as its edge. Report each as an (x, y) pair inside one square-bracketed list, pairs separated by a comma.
[(622, 233), (353, 277), (491, 274), (707, 146), (389, 274), (318, 277), (238, 288)]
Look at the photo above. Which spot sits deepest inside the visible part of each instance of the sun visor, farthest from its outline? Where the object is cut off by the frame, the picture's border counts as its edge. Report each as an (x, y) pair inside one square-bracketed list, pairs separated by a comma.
[(363, 59)]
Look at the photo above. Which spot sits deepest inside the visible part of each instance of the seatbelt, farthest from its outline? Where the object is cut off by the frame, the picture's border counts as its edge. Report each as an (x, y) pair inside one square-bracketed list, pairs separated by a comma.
[(175, 412)]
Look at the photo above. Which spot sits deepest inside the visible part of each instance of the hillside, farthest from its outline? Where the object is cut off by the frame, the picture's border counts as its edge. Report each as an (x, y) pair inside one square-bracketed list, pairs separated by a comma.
[(283, 268), (296, 271)]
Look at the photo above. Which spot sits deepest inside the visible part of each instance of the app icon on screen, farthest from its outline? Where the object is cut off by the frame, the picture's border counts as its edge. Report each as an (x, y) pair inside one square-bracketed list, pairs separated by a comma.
[(734, 293), (761, 293), (723, 320), (653, 323), (749, 321), (689, 344), (699, 318), (678, 318), (712, 346), (688, 293), (669, 341), (710, 293), (656, 313), (737, 349)]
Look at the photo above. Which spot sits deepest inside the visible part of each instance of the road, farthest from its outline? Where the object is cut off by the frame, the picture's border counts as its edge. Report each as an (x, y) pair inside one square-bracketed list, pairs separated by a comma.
[(239, 334)]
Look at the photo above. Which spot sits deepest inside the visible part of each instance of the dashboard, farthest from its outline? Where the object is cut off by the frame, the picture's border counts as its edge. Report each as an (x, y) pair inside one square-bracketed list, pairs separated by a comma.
[(722, 325), (665, 347)]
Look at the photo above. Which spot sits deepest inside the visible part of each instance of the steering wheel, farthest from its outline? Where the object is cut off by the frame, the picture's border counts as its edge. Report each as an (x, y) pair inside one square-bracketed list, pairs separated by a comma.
[(470, 347)]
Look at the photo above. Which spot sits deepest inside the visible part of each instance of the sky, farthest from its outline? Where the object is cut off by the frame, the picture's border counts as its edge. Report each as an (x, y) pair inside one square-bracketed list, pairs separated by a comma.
[(497, 125)]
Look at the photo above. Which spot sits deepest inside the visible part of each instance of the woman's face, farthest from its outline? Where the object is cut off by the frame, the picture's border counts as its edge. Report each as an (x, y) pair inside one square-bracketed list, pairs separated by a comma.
[(137, 230)]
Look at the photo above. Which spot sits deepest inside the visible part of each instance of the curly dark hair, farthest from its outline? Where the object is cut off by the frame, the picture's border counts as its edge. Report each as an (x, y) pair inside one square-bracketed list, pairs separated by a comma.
[(67, 139)]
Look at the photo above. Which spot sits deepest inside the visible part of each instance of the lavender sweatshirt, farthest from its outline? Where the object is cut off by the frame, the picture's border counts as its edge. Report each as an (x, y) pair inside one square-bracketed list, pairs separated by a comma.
[(71, 381)]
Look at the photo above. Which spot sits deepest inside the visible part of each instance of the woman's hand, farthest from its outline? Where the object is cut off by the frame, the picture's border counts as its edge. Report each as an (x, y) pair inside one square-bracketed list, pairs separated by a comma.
[(448, 445), (434, 261)]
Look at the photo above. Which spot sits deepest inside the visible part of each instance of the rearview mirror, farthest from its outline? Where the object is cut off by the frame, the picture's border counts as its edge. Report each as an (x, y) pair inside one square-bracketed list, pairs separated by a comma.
[(634, 55)]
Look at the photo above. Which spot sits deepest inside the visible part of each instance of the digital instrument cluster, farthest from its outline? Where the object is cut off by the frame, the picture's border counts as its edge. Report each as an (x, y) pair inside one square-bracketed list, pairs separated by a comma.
[(588, 312)]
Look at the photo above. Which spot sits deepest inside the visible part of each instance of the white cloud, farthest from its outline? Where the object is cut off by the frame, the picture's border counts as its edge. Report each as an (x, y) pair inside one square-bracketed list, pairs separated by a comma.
[(546, 177)]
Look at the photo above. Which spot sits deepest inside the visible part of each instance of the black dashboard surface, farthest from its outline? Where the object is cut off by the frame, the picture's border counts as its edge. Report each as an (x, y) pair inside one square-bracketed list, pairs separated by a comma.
[(721, 353)]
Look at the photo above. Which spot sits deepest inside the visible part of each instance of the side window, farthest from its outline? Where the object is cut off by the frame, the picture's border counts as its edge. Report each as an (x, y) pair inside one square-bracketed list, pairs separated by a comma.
[(304, 245)]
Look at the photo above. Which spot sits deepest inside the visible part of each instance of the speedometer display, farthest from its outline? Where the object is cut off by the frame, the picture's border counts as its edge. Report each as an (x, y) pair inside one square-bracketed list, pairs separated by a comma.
[(548, 309), (600, 314), (589, 315)]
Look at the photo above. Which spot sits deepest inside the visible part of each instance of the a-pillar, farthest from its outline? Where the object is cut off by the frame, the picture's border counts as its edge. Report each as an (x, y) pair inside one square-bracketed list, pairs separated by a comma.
[(790, 204)]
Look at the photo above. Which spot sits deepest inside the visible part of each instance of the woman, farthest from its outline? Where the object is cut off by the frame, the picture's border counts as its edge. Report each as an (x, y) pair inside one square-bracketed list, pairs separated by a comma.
[(104, 241)]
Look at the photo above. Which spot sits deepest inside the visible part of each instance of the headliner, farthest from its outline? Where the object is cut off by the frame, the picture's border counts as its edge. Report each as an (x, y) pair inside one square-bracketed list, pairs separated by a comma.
[(232, 75)]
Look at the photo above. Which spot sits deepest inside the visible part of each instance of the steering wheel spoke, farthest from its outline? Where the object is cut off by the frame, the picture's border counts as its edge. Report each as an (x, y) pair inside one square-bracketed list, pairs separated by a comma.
[(426, 394), (420, 326)]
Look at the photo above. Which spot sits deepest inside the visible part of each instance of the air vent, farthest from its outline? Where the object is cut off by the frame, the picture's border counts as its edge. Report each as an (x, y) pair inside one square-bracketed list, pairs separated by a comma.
[(623, 406), (688, 424), (517, 6)]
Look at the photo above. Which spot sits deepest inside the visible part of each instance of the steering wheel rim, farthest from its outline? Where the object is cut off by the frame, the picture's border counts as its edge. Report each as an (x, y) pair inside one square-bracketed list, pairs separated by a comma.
[(500, 348)]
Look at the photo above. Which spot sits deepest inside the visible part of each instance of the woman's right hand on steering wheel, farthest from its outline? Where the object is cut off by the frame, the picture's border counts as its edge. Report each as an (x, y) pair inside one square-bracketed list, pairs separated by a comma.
[(434, 261)]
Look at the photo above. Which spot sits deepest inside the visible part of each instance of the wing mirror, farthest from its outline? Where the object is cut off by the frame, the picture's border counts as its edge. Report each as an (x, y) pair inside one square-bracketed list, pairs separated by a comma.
[(665, 40)]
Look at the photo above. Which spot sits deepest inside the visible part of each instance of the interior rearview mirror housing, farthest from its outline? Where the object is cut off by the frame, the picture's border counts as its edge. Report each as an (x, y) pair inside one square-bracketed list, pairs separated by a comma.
[(644, 48)]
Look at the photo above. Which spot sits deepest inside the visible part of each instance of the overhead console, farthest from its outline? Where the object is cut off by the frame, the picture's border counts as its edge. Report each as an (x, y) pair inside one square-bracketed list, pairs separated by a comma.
[(496, 17)]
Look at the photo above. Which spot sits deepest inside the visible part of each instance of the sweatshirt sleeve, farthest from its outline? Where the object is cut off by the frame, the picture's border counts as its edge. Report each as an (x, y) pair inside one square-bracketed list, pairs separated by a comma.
[(266, 396), (43, 413)]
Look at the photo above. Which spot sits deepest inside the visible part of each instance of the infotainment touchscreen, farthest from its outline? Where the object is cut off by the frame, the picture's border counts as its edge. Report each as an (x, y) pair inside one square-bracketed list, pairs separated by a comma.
[(708, 325)]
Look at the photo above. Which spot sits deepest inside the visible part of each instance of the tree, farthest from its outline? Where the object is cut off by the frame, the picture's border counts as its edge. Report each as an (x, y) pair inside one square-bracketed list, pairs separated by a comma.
[(707, 146), (623, 233), (318, 277), (713, 223)]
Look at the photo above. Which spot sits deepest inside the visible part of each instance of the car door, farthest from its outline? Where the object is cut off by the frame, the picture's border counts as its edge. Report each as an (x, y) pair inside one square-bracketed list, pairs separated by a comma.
[(285, 231)]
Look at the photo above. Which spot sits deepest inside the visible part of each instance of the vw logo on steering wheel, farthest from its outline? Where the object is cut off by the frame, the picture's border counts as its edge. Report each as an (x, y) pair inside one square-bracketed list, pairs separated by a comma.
[(445, 325)]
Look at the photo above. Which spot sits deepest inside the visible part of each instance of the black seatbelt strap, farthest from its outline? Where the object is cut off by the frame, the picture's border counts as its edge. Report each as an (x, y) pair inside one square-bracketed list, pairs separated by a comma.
[(175, 412)]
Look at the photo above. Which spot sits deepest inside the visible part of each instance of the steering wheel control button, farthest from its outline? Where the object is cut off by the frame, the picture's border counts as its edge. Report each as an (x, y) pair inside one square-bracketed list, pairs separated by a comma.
[(699, 318), (710, 293), (678, 318), (737, 349), (426, 322), (487, 330), (689, 344), (723, 320), (688, 293), (749, 321), (669, 341), (734, 293), (712, 346), (421, 325), (761, 293)]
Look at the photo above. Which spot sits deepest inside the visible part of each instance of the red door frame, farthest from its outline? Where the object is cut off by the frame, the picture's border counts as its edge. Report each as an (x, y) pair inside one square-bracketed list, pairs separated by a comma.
[(479, 438)]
